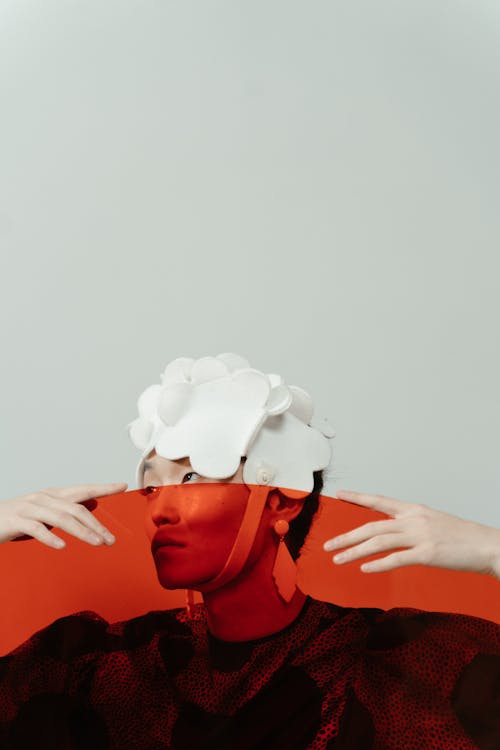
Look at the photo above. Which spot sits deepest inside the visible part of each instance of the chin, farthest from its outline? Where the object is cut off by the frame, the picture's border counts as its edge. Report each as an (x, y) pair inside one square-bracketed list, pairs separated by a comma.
[(173, 580), (176, 570), (172, 586)]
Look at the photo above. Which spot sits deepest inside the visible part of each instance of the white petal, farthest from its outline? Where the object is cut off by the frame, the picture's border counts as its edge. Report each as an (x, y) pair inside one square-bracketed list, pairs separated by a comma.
[(302, 405), (172, 444), (177, 371), (140, 432), (254, 384), (324, 426), (275, 379), (233, 361), (148, 401), (173, 401), (208, 368), (279, 400), (216, 462), (218, 424)]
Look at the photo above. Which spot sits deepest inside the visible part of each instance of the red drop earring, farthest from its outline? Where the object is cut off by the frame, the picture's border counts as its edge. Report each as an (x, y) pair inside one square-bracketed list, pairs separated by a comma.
[(284, 569)]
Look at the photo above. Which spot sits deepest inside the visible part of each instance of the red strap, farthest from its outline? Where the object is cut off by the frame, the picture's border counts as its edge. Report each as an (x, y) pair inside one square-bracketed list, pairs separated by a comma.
[(244, 539)]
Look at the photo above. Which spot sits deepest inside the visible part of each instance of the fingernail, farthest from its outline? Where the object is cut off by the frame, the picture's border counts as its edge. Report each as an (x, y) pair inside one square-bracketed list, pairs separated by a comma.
[(329, 545), (339, 558), (109, 537)]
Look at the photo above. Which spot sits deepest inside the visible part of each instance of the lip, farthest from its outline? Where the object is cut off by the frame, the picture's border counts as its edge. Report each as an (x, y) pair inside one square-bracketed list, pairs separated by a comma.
[(162, 546), (159, 542)]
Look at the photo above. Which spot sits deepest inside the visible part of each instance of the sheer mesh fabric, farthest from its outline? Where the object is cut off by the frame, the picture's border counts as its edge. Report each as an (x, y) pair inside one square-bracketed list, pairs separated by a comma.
[(336, 678)]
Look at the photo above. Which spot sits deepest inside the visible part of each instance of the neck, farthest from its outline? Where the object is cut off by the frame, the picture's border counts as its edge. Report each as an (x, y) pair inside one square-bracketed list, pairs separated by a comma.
[(249, 606)]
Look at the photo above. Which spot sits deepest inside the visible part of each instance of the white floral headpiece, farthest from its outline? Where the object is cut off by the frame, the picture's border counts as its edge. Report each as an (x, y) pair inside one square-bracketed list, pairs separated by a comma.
[(215, 410)]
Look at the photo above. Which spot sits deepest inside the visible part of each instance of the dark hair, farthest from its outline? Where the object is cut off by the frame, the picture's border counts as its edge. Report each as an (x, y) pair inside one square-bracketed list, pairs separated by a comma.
[(300, 526)]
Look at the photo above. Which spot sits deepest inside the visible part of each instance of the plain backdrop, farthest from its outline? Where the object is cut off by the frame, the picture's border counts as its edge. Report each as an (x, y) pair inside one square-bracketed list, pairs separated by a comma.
[(312, 185)]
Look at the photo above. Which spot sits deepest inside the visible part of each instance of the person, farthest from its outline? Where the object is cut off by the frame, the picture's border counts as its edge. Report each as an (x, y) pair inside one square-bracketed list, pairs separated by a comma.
[(231, 470)]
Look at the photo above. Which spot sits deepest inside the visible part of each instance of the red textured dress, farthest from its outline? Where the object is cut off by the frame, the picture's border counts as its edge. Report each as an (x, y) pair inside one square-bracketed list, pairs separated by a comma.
[(337, 677)]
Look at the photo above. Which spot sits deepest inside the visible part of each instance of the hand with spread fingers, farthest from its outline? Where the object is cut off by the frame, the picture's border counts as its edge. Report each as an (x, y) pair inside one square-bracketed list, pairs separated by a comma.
[(32, 516), (420, 534)]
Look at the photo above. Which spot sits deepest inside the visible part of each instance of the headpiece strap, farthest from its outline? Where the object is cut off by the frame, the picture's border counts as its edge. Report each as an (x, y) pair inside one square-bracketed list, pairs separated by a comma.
[(244, 539)]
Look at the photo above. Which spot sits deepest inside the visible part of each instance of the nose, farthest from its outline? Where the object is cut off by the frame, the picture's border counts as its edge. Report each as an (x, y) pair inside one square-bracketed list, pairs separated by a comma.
[(163, 509)]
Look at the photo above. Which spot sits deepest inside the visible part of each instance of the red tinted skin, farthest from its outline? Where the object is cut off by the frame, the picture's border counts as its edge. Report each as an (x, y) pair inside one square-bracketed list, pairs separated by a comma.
[(206, 526), (205, 529)]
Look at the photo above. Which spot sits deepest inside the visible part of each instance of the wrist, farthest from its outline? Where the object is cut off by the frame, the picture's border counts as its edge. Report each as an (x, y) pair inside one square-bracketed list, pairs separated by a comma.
[(496, 568), (495, 555)]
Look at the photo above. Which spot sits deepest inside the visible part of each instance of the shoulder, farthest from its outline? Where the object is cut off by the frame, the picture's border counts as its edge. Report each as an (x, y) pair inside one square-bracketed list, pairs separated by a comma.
[(399, 625), (67, 636), (380, 629), (85, 632)]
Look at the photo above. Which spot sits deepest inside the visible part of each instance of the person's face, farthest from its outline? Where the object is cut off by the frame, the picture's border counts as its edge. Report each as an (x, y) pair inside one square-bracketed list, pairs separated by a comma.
[(205, 525)]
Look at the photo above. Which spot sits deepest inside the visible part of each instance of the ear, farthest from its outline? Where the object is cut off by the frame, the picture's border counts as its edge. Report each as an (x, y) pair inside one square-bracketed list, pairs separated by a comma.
[(284, 507)]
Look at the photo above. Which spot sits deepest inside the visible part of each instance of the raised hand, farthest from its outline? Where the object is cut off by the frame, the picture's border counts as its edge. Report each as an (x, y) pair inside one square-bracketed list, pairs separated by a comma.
[(64, 507), (422, 536)]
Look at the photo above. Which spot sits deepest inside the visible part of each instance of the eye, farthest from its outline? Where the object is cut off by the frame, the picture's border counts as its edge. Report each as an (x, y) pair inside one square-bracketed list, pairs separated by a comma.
[(149, 490), (190, 474)]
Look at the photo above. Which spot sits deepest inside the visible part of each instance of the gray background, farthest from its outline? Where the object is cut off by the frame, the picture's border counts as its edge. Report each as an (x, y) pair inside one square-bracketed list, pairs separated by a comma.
[(313, 185)]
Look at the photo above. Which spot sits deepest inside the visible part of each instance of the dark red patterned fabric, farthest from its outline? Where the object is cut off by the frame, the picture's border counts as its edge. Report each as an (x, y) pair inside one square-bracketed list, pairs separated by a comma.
[(337, 678)]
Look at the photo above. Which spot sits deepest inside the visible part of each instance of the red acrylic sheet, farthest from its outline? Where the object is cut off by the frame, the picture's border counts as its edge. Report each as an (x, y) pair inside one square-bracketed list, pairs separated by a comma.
[(40, 584)]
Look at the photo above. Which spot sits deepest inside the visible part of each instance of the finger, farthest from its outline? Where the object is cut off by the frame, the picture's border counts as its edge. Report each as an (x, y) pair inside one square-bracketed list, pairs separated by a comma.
[(89, 504), (371, 547), (361, 533), (389, 505), (81, 514), (65, 520), (390, 562), (36, 530), (77, 493)]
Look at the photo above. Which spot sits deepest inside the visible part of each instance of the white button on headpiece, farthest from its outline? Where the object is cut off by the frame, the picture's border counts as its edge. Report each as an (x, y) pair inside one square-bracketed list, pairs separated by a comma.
[(265, 474)]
